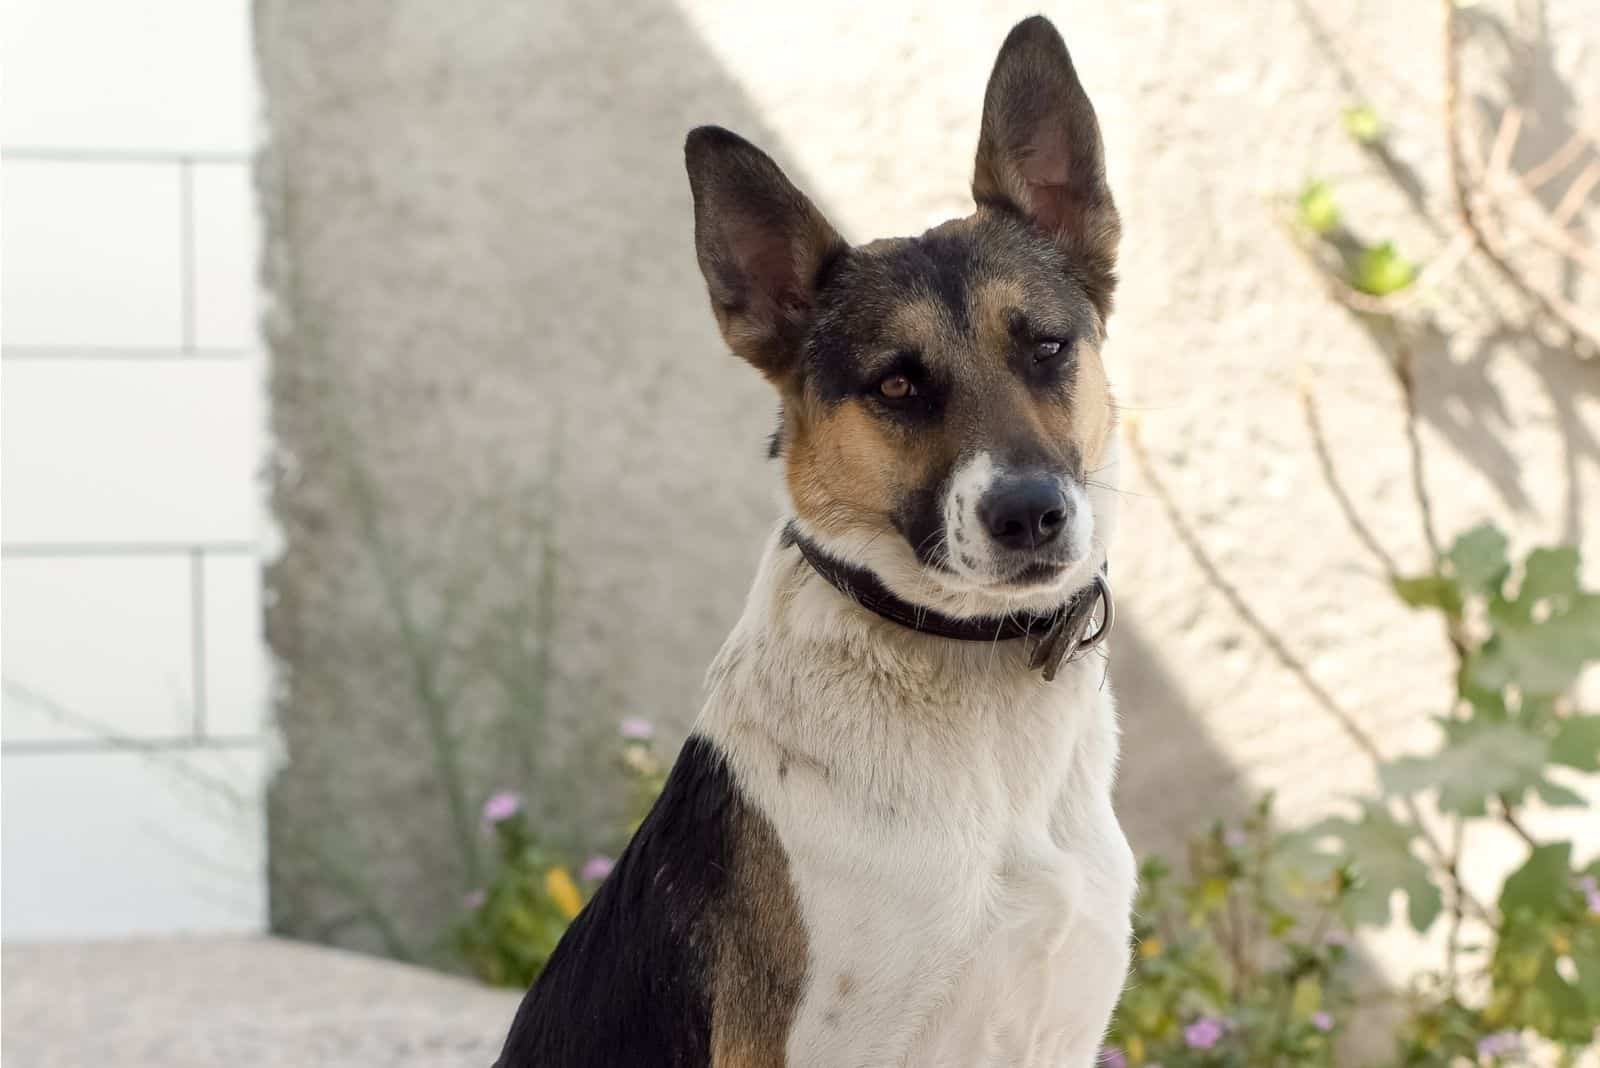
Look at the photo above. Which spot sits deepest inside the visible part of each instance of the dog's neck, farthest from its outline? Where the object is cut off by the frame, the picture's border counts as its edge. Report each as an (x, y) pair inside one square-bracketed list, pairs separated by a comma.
[(896, 713), (1068, 631)]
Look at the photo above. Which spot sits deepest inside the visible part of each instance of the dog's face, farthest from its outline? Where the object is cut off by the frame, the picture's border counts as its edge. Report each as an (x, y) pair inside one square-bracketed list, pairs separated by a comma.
[(946, 417)]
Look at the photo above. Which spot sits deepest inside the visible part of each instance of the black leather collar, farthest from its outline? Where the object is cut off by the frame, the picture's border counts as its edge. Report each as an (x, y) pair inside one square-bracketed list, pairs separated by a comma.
[(1062, 635)]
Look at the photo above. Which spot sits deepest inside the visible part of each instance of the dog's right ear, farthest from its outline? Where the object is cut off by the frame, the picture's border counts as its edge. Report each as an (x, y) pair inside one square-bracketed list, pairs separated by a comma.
[(761, 246), (1040, 154)]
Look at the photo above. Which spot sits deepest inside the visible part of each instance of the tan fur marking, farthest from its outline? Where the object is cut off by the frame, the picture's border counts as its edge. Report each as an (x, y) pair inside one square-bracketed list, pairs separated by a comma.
[(846, 469), (921, 324), (1087, 422), (760, 954), (1094, 415), (992, 303)]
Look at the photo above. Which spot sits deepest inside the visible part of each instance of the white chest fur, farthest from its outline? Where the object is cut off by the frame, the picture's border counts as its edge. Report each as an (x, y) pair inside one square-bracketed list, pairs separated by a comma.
[(963, 882)]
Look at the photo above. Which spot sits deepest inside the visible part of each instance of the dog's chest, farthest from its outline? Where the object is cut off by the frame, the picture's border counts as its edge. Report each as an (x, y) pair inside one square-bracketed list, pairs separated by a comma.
[(998, 959), (972, 908)]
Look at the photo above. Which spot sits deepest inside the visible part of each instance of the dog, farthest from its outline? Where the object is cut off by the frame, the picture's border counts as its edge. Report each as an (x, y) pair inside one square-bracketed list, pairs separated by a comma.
[(889, 838)]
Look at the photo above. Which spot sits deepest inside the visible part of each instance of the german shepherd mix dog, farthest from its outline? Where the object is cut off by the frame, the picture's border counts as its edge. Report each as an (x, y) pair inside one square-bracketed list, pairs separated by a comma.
[(889, 839)]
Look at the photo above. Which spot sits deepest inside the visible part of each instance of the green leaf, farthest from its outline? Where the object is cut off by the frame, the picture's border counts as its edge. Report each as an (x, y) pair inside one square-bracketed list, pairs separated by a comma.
[(1479, 760), (1362, 124), (1543, 659), (1379, 848), (1541, 882), (1319, 212), (1429, 591), (1381, 270), (1478, 559), (1549, 573), (1577, 743), (1557, 796)]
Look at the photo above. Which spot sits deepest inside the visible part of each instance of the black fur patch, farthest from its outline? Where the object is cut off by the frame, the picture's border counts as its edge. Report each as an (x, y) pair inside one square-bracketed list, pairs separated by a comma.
[(920, 520), (775, 442), (630, 983)]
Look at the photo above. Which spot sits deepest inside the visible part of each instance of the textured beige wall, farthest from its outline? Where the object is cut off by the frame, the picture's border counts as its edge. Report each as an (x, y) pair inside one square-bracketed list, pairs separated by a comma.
[(481, 246)]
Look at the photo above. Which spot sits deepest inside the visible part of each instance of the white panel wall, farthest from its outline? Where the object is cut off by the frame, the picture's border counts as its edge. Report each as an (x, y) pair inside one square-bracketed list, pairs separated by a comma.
[(133, 724)]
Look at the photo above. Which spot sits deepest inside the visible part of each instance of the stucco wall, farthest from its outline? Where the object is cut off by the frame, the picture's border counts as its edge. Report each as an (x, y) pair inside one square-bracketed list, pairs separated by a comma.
[(490, 327)]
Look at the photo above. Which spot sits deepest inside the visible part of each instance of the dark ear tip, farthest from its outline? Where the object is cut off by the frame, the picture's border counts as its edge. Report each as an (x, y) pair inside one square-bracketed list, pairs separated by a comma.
[(1035, 31), (705, 140)]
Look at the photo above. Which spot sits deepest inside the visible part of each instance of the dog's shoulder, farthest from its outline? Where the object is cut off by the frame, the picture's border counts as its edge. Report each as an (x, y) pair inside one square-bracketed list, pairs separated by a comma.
[(690, 953)]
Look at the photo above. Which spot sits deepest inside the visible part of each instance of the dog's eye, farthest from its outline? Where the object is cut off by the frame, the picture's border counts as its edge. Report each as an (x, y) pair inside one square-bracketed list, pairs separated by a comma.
[(1047, 349), (897, 387)]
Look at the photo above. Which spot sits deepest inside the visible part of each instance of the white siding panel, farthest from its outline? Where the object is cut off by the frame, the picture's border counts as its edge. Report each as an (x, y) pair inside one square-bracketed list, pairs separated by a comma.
[(100, 451), (97, 648), (107, 844), (91, 254), (139, 74)]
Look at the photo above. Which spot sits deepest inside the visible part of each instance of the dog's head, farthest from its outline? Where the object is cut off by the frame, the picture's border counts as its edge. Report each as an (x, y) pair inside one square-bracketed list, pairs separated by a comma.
[(946, 420)]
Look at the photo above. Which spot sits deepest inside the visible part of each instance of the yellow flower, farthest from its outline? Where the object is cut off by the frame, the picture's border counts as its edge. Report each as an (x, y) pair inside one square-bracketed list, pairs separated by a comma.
[(1134, 1047), (1151, 947), (563, 891)]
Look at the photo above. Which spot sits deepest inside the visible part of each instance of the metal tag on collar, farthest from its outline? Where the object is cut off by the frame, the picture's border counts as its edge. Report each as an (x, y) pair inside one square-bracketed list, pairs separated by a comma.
[(1068, 638)]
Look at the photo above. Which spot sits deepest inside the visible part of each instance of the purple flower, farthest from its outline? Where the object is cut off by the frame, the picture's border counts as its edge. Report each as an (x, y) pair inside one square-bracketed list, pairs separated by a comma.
[(1591, 894), (1235, 838), (1499, 1044), (1336, 938), (636, 729), (501, 806), (1203, 1033), (1112, 1057), (596, 868), (1322, 1021), (474, 899)]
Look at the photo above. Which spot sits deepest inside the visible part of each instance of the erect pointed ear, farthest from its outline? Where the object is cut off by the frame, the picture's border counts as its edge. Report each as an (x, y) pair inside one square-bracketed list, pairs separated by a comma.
[(761, 246), (1039, 153)]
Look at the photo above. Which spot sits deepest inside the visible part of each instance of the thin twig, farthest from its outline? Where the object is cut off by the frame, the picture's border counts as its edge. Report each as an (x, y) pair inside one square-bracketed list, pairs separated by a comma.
[(1395, 304), (1549, 305), (1452, 950), (1577, 194), (1557, 161), (1508, 816), (1404, 367), (1330, 476), (1505, 139), (1282, 653), (1539, 229)]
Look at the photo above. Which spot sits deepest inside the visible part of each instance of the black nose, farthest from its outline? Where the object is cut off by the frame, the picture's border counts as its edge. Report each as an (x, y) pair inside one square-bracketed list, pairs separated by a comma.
[(1024, 513)]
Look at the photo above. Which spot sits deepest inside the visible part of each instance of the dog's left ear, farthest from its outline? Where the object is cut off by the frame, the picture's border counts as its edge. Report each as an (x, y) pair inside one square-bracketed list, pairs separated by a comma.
[(761, 245), (1040, 155)]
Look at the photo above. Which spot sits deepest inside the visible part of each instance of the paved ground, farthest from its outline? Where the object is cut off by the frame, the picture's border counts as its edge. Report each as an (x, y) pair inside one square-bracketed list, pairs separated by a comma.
[(238, 1002)]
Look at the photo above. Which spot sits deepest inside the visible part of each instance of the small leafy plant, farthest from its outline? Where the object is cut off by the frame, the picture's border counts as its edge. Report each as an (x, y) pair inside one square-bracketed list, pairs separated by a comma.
[(1240, 960), (1523, 634), (513, 924)]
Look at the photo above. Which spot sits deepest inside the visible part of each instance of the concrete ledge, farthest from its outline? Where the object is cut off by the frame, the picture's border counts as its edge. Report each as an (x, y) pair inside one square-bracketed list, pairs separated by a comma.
[(240, 1002)]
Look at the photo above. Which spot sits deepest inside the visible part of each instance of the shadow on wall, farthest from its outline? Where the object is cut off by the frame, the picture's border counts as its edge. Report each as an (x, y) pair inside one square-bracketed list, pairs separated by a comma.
[(1460, 391), (520, 483), (1173, 779)]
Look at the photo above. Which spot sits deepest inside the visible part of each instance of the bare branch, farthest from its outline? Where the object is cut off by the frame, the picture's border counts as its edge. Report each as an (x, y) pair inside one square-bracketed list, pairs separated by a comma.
[(1330, 475), (1577, 193), (1551, 306), (1286, 657)]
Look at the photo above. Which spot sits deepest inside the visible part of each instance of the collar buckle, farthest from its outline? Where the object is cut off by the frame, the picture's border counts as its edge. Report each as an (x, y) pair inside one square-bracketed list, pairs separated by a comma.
[(1068, 637)]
